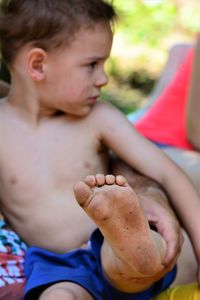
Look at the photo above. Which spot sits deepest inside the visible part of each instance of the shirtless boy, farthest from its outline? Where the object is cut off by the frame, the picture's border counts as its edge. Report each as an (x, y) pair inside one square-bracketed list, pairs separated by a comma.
[(56, 51)]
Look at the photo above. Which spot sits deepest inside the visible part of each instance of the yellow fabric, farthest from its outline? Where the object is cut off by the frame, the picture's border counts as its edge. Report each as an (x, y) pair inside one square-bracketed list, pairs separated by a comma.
[(184, 292)]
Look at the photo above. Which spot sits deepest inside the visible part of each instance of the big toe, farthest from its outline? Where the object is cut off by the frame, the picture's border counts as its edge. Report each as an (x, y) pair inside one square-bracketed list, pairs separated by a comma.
[(83, 193)]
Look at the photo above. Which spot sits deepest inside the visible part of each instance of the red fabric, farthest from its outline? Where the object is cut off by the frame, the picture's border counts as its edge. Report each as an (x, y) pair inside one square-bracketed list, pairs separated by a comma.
[(12, 278), (165, 121), (12, 292)]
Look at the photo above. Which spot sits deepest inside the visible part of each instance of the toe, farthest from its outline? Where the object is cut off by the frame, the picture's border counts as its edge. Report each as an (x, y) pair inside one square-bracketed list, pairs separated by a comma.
[(100, 179), (83, 193), (90, 180), (110, 179), (121, 180)]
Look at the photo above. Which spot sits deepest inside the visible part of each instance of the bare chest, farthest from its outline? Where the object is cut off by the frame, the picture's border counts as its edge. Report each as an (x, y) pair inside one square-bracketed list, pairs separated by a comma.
[(52, 160)]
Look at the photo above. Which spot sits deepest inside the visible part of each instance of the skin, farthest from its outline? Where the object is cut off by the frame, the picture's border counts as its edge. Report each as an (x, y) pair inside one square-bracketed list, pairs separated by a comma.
[(4, 88), (193, 104), (127, 268), (189, 161), (132, 227), (39, 185), (156, 206)]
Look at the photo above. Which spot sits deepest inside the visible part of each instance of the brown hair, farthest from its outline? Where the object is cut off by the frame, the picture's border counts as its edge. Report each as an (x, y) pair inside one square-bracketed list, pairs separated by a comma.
[(47, 24)]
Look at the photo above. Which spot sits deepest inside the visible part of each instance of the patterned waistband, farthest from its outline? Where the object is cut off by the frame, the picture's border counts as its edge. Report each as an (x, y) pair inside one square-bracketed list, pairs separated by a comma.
[(12, 252)]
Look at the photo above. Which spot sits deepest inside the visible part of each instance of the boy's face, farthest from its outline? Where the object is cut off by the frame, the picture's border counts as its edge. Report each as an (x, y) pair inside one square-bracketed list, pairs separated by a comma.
[(75, 74)]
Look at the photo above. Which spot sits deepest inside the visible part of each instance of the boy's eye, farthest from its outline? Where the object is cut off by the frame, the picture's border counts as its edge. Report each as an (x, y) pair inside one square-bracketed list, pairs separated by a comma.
[(93, 64)]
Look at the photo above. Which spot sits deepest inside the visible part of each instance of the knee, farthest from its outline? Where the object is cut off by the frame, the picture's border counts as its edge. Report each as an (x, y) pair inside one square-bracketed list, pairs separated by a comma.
[(57, 293)]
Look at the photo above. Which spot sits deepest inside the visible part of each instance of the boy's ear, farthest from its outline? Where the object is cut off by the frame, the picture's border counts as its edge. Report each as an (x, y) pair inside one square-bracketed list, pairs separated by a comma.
[(36, 61)]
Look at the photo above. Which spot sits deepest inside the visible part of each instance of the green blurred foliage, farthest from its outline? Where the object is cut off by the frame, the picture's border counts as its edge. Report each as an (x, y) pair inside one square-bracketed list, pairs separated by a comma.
[(140, 22), (150, 28), (151, 20)]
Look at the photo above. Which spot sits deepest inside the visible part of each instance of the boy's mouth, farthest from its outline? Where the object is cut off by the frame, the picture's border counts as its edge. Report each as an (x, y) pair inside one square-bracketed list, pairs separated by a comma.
[(93, 100)]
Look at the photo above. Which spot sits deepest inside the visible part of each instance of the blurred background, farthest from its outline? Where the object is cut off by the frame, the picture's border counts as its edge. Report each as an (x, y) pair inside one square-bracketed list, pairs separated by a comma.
[(143, 36)]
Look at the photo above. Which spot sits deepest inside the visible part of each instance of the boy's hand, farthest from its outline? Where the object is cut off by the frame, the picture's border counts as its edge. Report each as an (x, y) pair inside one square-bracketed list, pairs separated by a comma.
[(160, 214)]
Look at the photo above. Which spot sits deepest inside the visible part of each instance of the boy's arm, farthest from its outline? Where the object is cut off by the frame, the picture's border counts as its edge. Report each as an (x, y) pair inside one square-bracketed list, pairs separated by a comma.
[(120, 136), (193, 103)]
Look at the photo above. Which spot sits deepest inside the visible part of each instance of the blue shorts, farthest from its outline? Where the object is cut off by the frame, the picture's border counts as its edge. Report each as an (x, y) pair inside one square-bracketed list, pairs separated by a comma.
[(81, 266)]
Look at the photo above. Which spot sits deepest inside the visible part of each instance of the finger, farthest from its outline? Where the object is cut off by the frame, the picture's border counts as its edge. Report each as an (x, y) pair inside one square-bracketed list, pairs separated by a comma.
[(174, 246), (172, 233)]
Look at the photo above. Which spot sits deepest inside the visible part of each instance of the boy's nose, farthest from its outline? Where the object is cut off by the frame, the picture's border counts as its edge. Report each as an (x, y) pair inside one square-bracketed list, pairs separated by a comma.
[(102, 80)]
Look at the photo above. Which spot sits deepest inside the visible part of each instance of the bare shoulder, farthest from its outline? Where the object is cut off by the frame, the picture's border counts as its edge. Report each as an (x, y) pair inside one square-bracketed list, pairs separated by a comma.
[(7, 117), (4, 89), (103, 106), (104, 111), (109, 121), (2, 107)]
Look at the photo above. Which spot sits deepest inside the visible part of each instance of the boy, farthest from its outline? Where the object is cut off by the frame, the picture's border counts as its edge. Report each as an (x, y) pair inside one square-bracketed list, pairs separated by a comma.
[(4, 89), (56, 51)]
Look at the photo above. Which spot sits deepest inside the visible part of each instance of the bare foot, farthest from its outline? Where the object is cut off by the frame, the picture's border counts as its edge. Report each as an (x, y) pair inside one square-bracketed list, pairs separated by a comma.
[(114, 207)]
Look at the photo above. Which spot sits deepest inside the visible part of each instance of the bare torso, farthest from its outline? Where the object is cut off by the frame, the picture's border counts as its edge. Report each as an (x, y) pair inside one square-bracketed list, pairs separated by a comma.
[(39, 166)]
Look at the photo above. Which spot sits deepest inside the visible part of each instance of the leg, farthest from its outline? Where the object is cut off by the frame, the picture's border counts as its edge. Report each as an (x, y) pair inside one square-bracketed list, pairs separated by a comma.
[(65, 291), (114, 207)]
